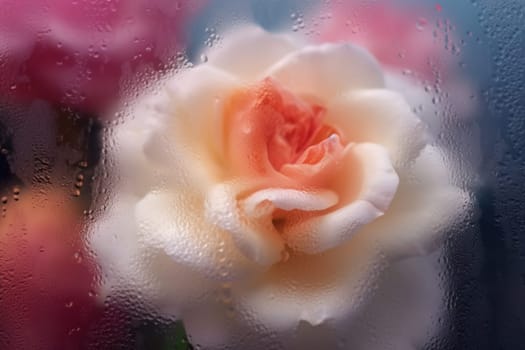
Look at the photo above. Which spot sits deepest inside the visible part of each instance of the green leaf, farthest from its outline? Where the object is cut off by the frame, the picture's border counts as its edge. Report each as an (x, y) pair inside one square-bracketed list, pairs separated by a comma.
[(162, 336)]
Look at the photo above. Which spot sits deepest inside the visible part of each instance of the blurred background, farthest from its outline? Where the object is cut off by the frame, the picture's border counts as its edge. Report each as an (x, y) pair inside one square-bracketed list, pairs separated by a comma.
[(68, 67)]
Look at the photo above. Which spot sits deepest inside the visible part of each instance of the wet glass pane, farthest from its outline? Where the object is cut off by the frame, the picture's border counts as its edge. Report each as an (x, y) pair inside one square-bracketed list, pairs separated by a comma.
[(261, 174)]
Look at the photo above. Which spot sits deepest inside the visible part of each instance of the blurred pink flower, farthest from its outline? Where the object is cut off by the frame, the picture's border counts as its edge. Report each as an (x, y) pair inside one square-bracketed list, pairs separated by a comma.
[(410, 41), (46, 279), (79, 52), (398, 36)]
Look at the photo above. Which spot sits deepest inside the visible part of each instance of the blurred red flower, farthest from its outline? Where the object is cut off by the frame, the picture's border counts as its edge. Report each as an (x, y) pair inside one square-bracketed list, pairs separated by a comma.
[(46, 278), (80, 53)]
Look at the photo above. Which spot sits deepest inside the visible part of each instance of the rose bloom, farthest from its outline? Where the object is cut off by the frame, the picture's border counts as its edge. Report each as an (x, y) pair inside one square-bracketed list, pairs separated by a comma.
[(46, 277), (272, 197), (82, 53)]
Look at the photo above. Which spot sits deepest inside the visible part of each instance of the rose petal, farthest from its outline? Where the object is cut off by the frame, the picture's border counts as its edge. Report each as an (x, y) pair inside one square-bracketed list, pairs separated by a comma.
[(318, 173), (128, 152), (426, 206), (417, 98), (287, 199), (290, 309), (328, 70), (164, 223), (311, 288), (221, 323), (379, 186), (129, 265), (429, 169), (256, 239), (248, 51), (187, 143), (121, 256), (379, 116), (402, 310)]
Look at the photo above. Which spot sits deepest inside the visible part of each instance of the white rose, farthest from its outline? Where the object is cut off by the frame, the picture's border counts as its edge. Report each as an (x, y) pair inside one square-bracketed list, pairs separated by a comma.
[(263, 194)]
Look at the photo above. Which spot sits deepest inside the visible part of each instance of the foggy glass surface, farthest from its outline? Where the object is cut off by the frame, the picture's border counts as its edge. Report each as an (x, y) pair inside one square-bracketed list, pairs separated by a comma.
[(79, 265)]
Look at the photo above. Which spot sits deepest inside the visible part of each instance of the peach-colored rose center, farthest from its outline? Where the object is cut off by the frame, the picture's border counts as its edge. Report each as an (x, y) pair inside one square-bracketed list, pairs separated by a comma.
[(271, 132)]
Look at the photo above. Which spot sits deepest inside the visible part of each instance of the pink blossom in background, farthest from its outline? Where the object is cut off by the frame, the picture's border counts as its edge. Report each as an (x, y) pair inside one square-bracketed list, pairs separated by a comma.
[(78, 52), (398, 36), (407, 40), (46, 277)]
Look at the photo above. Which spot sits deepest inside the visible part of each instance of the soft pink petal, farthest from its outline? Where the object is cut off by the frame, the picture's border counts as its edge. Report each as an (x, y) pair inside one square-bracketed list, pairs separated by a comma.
[(288, 199), (311, 288), (247, 51), (188, 139), (256, 238), (379, 116), (172, 222), (427, 207), (327, 231), (326, 71)]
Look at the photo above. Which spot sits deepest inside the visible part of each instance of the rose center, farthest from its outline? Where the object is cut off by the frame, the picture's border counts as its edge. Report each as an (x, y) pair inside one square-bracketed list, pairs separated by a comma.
[(269, 128)]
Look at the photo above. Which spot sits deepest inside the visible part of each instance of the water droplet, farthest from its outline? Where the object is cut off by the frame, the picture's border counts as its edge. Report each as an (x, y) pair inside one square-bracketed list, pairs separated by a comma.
[(4, 200), (69, 304), (421, 24), (74, 330), (78, 257), (204, 58)]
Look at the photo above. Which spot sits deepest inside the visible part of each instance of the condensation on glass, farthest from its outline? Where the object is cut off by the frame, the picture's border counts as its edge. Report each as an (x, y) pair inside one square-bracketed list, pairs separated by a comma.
[(129, 218)]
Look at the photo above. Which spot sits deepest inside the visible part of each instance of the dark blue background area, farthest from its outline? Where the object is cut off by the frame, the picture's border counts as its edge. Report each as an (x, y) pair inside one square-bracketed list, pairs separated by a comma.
[(269, 14), (488, 266)]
